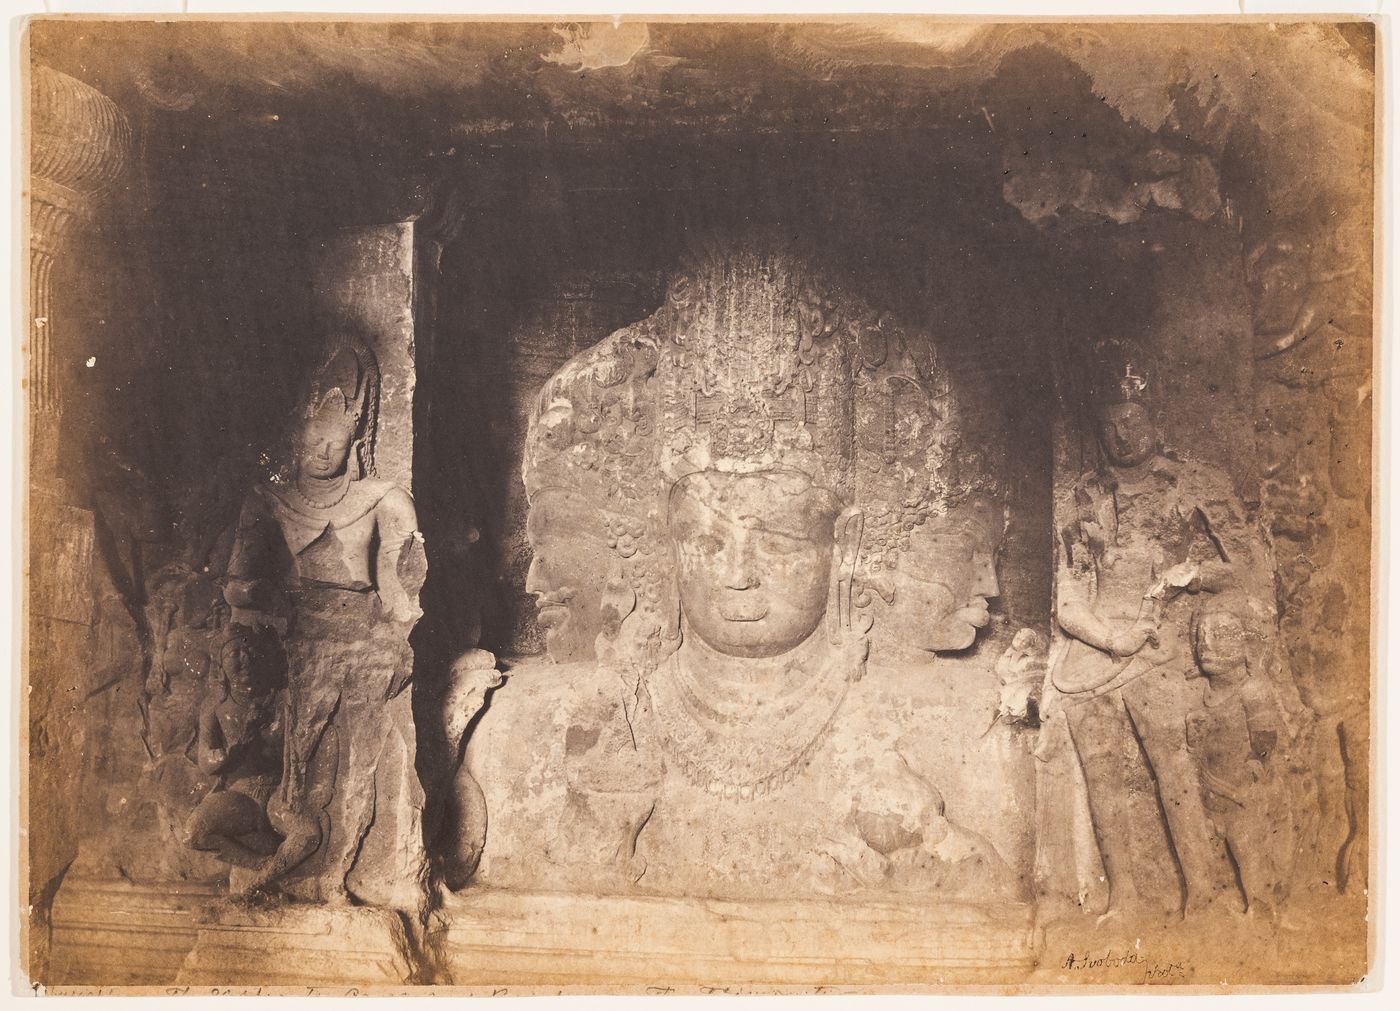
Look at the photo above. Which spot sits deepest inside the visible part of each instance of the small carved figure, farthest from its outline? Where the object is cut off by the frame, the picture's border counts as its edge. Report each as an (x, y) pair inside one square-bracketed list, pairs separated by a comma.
[(1021, 671), (240, 746), (186, 615), (1234, 736)]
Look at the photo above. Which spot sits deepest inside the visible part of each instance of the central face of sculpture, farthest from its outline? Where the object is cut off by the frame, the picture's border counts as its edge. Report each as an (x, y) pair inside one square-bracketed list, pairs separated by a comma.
[(569, 570), (323, 444), (753, 559)]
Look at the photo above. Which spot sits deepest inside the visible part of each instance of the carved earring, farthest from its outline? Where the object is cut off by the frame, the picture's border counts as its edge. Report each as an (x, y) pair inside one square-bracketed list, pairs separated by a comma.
[(671, 611), (357, 453), (840, 612)]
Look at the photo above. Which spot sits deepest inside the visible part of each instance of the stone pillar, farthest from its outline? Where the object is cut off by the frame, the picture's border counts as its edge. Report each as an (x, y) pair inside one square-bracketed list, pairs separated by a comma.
[(79, 141)]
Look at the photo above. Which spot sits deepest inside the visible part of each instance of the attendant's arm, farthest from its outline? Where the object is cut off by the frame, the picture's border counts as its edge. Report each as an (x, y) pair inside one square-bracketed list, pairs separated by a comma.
[(1220, 517), (211, 750), (1078, 620), (1263, 718), (398, 526)]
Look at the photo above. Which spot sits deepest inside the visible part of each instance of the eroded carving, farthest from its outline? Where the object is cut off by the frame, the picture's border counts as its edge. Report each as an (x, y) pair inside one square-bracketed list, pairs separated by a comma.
[(1236, 735), (331, 553), (1152, 533), (724, 451), (938, 590), (462, 830), (240, 747)]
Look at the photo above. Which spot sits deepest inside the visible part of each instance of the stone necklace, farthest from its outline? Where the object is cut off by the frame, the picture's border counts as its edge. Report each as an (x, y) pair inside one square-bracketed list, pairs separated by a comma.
[(746, 737), (312, 503)]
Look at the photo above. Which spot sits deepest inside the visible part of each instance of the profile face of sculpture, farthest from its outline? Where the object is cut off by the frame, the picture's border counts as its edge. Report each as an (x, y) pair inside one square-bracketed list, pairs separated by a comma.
[(568, 573), (754, 557), (1127, 433), (948, 576)]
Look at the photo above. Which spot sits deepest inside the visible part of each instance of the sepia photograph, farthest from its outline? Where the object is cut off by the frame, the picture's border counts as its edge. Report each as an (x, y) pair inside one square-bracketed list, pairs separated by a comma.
[(696, 504)]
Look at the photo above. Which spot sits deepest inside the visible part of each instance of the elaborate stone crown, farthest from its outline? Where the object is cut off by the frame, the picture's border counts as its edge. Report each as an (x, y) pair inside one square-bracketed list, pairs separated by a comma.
[(593, 430), (346, 382), (760, 359), (754, 374)]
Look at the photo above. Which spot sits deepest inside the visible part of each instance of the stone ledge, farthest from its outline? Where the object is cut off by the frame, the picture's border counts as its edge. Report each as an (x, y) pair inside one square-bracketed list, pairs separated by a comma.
[(115, 933), (118, 934), (286, 946), (497, 938)]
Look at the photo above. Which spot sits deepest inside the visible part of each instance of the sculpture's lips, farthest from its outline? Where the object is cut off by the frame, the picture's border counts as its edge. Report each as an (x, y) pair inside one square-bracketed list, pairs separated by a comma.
[(975, 614), (551, 613), (745, 611)]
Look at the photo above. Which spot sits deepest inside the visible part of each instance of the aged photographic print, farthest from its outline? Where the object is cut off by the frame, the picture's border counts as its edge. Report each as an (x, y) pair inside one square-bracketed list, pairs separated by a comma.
[(668, 505)]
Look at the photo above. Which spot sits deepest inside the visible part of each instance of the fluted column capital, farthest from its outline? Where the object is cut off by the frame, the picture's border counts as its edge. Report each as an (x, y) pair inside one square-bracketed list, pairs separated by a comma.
[(79, 145)]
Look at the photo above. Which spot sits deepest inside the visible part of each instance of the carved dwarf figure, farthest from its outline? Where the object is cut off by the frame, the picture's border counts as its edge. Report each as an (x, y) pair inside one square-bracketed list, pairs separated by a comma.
[(1234, 735), (1150, 529), (240, 747), (186, 616), (334, 552)]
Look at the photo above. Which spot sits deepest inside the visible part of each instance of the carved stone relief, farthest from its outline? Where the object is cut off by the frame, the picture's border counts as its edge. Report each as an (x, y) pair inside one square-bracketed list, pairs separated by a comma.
[(329, 555), (784, 530), (1151, 534), (738, 455)]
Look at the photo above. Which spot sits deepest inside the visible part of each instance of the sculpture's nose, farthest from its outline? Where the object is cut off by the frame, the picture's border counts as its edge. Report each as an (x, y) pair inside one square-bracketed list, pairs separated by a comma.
[(739, 570), (534, 576)]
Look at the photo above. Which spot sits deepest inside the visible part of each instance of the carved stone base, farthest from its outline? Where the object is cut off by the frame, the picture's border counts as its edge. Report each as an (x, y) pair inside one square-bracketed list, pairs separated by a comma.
[(116, 934), (499, 939), (113, 933), (287, 946)]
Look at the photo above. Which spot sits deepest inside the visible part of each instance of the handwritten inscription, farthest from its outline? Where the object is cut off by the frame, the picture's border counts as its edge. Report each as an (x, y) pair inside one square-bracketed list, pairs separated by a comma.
[(1108, 960), (1137, 963)]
